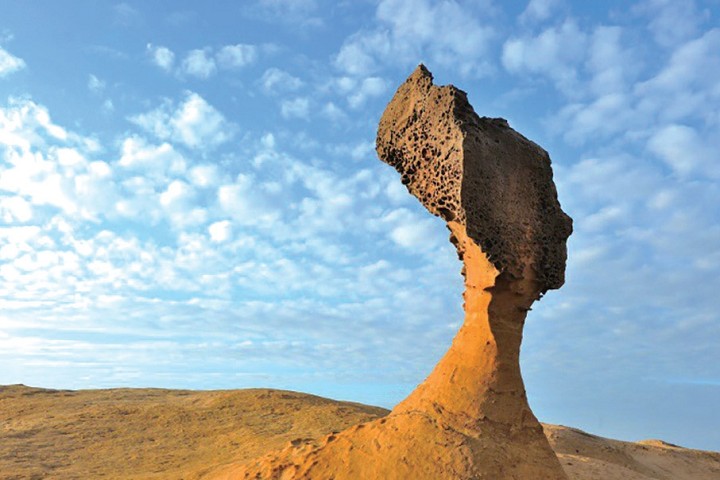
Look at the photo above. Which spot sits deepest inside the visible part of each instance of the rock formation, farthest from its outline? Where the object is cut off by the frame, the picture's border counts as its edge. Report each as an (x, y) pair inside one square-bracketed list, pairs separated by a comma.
[(470, 418)]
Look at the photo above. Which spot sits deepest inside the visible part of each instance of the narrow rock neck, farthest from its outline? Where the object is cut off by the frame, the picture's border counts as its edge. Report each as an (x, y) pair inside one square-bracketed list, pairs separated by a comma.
[(479, 377)]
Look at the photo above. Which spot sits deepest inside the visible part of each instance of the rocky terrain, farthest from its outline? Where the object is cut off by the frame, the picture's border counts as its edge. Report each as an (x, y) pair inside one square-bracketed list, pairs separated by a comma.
[(145, 434)]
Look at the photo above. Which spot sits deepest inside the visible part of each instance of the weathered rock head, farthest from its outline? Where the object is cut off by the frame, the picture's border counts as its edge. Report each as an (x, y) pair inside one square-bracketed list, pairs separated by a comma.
[(470, 418), (480, 173)]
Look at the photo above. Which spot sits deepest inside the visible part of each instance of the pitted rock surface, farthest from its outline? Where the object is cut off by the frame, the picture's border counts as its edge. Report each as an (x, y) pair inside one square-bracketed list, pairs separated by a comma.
[(479, 172)]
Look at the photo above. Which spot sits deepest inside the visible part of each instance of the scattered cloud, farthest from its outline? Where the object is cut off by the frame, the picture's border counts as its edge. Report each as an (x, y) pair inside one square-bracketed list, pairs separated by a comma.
[(539, 10), (369, 87), (672, 21), (193, 123), (684, 87), (155, 162), (333, 112), (685, 151), (15, 210), (298, 107), (556, 53), (416, 233), (220, 231), (275, 81), (246, 203), (161, 56), (407, 34), (612, 63), (95, 85), (204, 175), (236, 56), (38, 171), (203, 63), (9, 63), (108, 106), (199, 63)]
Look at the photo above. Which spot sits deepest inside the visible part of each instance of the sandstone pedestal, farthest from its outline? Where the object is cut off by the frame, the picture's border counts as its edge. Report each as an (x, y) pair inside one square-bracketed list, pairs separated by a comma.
[(470, 418)]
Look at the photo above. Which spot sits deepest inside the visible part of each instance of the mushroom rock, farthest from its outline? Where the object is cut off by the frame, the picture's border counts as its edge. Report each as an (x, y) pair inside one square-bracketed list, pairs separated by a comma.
[(470, 418)]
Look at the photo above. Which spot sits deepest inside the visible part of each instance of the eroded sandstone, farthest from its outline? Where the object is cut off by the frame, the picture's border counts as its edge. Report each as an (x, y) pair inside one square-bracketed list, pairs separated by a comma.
[(470, 418)]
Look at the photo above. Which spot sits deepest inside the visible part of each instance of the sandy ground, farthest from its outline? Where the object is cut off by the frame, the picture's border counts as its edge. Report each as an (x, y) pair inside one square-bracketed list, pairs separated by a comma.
[(173, 434)]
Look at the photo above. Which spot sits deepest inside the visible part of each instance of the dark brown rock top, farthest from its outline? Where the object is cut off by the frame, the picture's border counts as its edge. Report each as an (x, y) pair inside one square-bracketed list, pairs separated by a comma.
[(479, 172)]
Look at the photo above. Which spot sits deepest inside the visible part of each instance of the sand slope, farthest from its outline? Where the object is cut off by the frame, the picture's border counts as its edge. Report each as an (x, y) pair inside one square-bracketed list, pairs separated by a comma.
[(174, 434), (155, 434), (588, 457)]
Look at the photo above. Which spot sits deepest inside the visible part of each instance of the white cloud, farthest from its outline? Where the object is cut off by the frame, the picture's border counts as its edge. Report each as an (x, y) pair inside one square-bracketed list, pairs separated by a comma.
[(108, 106), (395, 191), (9, 63), (204, 176), (95, 85), (419, 234), (369, 87), (199, 63), (38, 178), (24, 123), (557, 52), (179, 202), (408, 33), (411, 235), (177, 195), (610, 62), (153, 161), (298, 107), (362, 150), (246, 202), (672, 21), (236, 56), (203, 63), (220, 231), (686, 86), (603, 218), (139, 199), (48, 166), (333, 112), (539, 10), (682, 148), (276, 81), (194, 123), (680, 91), (606, 115), (96, 190), (161, 56), (15, 209), (358, 55)]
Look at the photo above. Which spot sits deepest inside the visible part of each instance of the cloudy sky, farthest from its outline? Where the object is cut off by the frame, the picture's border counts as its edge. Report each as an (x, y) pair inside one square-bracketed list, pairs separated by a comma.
[(190, 198)]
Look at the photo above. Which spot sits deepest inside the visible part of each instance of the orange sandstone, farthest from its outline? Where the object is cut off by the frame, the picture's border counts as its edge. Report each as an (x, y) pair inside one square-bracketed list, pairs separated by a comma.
[(470, 418)]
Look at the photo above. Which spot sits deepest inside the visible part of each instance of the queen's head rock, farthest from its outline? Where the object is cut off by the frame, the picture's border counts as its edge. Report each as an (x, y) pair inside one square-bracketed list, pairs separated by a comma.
[(470, 418), (480, 173)]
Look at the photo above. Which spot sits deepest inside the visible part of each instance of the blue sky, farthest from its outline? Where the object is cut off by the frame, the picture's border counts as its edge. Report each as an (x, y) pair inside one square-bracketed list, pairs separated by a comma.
[(190, 198)]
